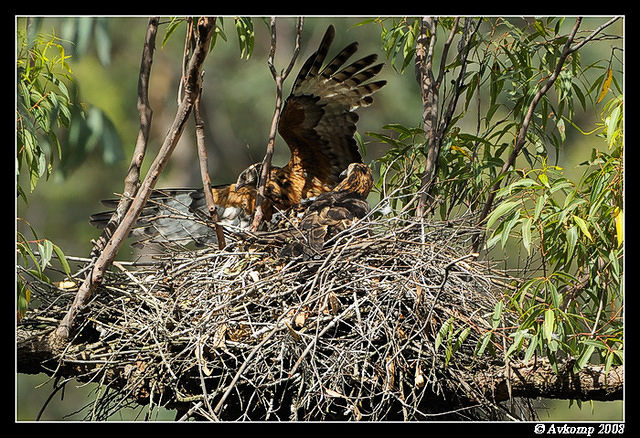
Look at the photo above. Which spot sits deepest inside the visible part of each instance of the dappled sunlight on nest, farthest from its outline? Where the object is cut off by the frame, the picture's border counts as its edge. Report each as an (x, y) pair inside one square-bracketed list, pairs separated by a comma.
[(383, 323)]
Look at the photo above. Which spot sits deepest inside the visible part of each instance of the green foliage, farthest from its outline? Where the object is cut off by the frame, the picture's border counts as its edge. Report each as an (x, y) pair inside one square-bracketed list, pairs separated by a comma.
[(461, 176), (503, 71), (243, 27), (451, 338), (86, 33), (47, 102), (399, 42), (246, 36), (44, 102), (571, 232), (403, 163), (36, 255), (575, 304)]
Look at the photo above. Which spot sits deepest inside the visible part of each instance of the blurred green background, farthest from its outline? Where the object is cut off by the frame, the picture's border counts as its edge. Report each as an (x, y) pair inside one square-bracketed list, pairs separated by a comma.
[(238, 102)]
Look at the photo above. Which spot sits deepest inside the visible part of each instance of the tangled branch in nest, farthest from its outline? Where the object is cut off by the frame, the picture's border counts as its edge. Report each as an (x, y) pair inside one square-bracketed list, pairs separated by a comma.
[(382, 324)]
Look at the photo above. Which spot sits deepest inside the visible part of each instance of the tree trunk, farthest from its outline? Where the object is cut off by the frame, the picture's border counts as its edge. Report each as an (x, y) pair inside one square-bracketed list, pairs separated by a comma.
[(37, 352)]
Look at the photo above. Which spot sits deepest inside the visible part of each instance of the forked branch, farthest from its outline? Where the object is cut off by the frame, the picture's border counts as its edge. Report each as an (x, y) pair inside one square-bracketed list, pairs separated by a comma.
[(205, 29), (435, 124), (279, 80)]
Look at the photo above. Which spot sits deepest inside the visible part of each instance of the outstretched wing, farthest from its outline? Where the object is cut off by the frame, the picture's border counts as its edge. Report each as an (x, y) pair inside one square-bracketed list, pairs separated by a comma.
[(179, 217), (318, 120)]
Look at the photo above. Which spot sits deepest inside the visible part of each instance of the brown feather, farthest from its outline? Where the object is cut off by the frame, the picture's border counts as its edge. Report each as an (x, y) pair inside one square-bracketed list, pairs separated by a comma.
[(331, 212), (318, 121)]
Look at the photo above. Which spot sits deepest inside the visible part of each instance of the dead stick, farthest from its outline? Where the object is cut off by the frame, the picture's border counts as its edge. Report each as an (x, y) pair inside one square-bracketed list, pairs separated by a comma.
[(204, 171)]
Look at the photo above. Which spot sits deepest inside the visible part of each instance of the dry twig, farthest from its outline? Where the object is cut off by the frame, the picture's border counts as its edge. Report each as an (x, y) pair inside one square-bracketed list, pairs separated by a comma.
[(244, 334)]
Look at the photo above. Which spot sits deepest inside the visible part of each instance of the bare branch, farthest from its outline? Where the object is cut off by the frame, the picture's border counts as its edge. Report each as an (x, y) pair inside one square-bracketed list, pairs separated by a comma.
[(132, 179), (204, 172), (435, 124), (204, 165), (445, 51), (279, 80), (105, 259), (593, 34), (430, 103), (464, 47)]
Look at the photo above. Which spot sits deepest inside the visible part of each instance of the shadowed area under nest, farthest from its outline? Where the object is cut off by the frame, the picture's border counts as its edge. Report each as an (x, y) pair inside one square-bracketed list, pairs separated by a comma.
[(381, 324)]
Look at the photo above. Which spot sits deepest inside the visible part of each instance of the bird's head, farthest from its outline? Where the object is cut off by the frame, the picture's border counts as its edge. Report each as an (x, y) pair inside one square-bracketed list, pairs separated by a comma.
[(356, 178), (249, 177)]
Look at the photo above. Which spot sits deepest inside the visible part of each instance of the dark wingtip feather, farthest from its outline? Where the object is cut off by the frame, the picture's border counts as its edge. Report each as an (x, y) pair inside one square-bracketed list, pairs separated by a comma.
[(312, 65)]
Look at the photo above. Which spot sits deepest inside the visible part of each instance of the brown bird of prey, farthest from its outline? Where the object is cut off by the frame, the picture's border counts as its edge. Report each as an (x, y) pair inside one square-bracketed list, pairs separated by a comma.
[(330, 213), (318, 123)]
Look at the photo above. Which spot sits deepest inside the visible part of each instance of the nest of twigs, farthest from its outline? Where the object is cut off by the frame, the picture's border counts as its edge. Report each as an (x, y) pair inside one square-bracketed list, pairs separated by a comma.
[(383, 324)]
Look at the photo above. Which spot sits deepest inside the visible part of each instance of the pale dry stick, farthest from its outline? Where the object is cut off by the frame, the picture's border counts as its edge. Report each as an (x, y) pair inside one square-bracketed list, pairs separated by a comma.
[(440, 287), (278, 327), (330, 258), (203, 386), (311, 344), (131, 276)]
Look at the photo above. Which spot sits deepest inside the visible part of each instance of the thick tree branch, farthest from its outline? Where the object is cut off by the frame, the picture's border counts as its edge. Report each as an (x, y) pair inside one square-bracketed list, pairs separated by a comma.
[(538, 379), (105, 259), (534, 379)]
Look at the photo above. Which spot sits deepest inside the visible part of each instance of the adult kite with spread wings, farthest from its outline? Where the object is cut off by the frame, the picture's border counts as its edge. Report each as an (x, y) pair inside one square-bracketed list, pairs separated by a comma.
[(318, 123)]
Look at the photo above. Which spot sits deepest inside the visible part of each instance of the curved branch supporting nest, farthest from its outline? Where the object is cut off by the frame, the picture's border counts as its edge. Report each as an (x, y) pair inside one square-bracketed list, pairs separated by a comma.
[(382, 324)]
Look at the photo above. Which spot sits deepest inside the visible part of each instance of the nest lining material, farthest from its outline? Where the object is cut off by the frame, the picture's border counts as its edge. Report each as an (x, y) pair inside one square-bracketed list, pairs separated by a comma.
[(381, 324)]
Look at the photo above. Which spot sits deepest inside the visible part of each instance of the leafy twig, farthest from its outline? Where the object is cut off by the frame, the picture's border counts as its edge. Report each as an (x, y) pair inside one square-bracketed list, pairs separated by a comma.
[(567, 50)]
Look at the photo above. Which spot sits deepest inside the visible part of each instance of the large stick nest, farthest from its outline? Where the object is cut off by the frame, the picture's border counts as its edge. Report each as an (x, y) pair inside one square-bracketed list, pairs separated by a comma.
[(381, 324)]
